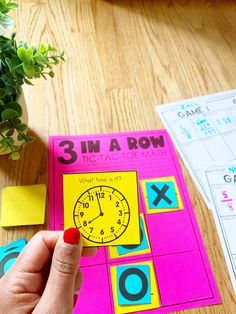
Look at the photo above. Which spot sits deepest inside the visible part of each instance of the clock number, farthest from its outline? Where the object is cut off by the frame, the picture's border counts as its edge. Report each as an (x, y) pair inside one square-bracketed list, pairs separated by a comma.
[(91, 229), (120, 212), (112, 229), (117, 204), (90, 198), (81, 214), (68, 150), (110, 197), (119, 222), (101, 195), (85, 223), (102, 232), (85, 205)]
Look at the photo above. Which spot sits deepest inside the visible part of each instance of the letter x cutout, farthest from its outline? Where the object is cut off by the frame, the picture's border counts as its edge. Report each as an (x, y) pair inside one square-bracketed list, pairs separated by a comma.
[(161, 194)]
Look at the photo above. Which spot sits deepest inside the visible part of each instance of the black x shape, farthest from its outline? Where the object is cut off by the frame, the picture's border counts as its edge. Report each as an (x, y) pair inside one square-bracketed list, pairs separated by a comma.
[(161, 194)]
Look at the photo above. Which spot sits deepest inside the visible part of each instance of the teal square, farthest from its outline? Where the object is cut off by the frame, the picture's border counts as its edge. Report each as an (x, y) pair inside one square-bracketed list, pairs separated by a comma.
[(133, 284), (161, 194), (125, 249), (9, 253)]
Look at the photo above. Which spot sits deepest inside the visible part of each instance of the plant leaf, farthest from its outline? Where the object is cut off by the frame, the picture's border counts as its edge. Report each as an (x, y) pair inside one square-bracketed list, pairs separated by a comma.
[(27, 81), (15, 155), (4, 126), (51, 73), (2, 93), (41, 60), (2, 83), (3, 7), (42, 48), (30, 139), (8, 114), (12, 5), (9, 63), (28, 69), (6, 21), (15, 106), (21, 127), (25, 55), (10, 132), (21, 137)]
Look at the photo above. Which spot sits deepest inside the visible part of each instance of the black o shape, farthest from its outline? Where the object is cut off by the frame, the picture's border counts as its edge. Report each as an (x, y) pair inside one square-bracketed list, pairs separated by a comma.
[(5, 260), (123, 290)]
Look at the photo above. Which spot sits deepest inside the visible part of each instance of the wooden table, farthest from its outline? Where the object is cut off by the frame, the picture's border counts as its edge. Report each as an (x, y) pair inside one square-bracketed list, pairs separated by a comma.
[(122, 58)]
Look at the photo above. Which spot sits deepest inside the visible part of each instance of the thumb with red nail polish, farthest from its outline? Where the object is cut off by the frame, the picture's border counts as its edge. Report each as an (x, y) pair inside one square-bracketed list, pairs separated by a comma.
[(60, 287), (71, 236)]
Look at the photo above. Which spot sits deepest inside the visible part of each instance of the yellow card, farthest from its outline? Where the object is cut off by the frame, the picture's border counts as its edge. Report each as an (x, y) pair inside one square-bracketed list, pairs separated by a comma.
[(142, 248), (174, 193), (129, 308), (23, 205), (103, 206)]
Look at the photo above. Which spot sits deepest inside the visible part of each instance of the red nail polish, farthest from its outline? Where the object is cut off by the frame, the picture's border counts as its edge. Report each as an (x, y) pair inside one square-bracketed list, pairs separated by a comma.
[(71, 236), (75, 299)]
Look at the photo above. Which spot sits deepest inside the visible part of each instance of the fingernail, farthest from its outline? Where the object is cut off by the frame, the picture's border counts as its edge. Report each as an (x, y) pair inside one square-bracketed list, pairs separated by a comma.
[(71, 236), (75, 299)]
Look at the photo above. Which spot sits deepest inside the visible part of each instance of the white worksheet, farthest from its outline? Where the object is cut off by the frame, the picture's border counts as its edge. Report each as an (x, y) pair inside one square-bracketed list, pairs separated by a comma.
[(203, 130), (222, 186)]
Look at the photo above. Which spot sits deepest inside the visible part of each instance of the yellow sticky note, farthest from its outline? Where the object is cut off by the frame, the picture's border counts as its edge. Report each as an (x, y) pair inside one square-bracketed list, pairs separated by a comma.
[(129, 308), (163, 209), (103, 206), (142, 248), (23, 205)]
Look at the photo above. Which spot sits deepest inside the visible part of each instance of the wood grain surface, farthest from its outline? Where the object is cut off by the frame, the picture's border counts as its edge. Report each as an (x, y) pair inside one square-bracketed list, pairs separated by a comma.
[(122, 58)]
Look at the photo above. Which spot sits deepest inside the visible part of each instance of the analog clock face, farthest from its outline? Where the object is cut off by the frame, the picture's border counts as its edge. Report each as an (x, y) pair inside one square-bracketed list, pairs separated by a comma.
[(101, 214)]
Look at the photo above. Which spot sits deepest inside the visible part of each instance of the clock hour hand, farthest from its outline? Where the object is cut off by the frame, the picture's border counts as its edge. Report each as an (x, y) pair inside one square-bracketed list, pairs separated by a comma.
[(101, 214), (99, 205)]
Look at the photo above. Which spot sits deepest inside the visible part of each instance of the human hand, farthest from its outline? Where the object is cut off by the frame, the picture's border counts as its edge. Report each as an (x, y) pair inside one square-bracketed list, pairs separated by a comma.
[(45, 277)]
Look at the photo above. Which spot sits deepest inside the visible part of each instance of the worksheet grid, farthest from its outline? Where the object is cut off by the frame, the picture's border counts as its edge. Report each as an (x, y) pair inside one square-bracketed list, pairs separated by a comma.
[(224, 218), (218, 124), (208, 141)]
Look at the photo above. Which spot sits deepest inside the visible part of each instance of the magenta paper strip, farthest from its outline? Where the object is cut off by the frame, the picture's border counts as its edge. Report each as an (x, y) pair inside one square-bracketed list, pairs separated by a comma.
[(183, 274)]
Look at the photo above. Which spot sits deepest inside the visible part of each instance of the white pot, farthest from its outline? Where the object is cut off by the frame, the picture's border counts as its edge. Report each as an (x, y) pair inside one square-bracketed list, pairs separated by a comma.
[(24, 119)]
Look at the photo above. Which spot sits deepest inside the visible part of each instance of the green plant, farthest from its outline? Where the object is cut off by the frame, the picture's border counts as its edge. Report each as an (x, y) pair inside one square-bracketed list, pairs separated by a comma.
[(19, 64)]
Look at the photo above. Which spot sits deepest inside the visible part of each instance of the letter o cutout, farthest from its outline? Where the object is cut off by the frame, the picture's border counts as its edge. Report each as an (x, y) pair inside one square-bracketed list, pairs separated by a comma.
[(123, 290), (5, 260)]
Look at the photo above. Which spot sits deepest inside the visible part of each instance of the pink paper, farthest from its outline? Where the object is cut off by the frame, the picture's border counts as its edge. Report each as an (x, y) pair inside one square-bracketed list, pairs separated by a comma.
[(183, 273)]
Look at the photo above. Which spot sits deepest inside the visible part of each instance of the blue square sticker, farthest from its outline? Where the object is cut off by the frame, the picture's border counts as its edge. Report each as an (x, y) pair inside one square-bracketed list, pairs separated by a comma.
[(133, 284), (161, 194)]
